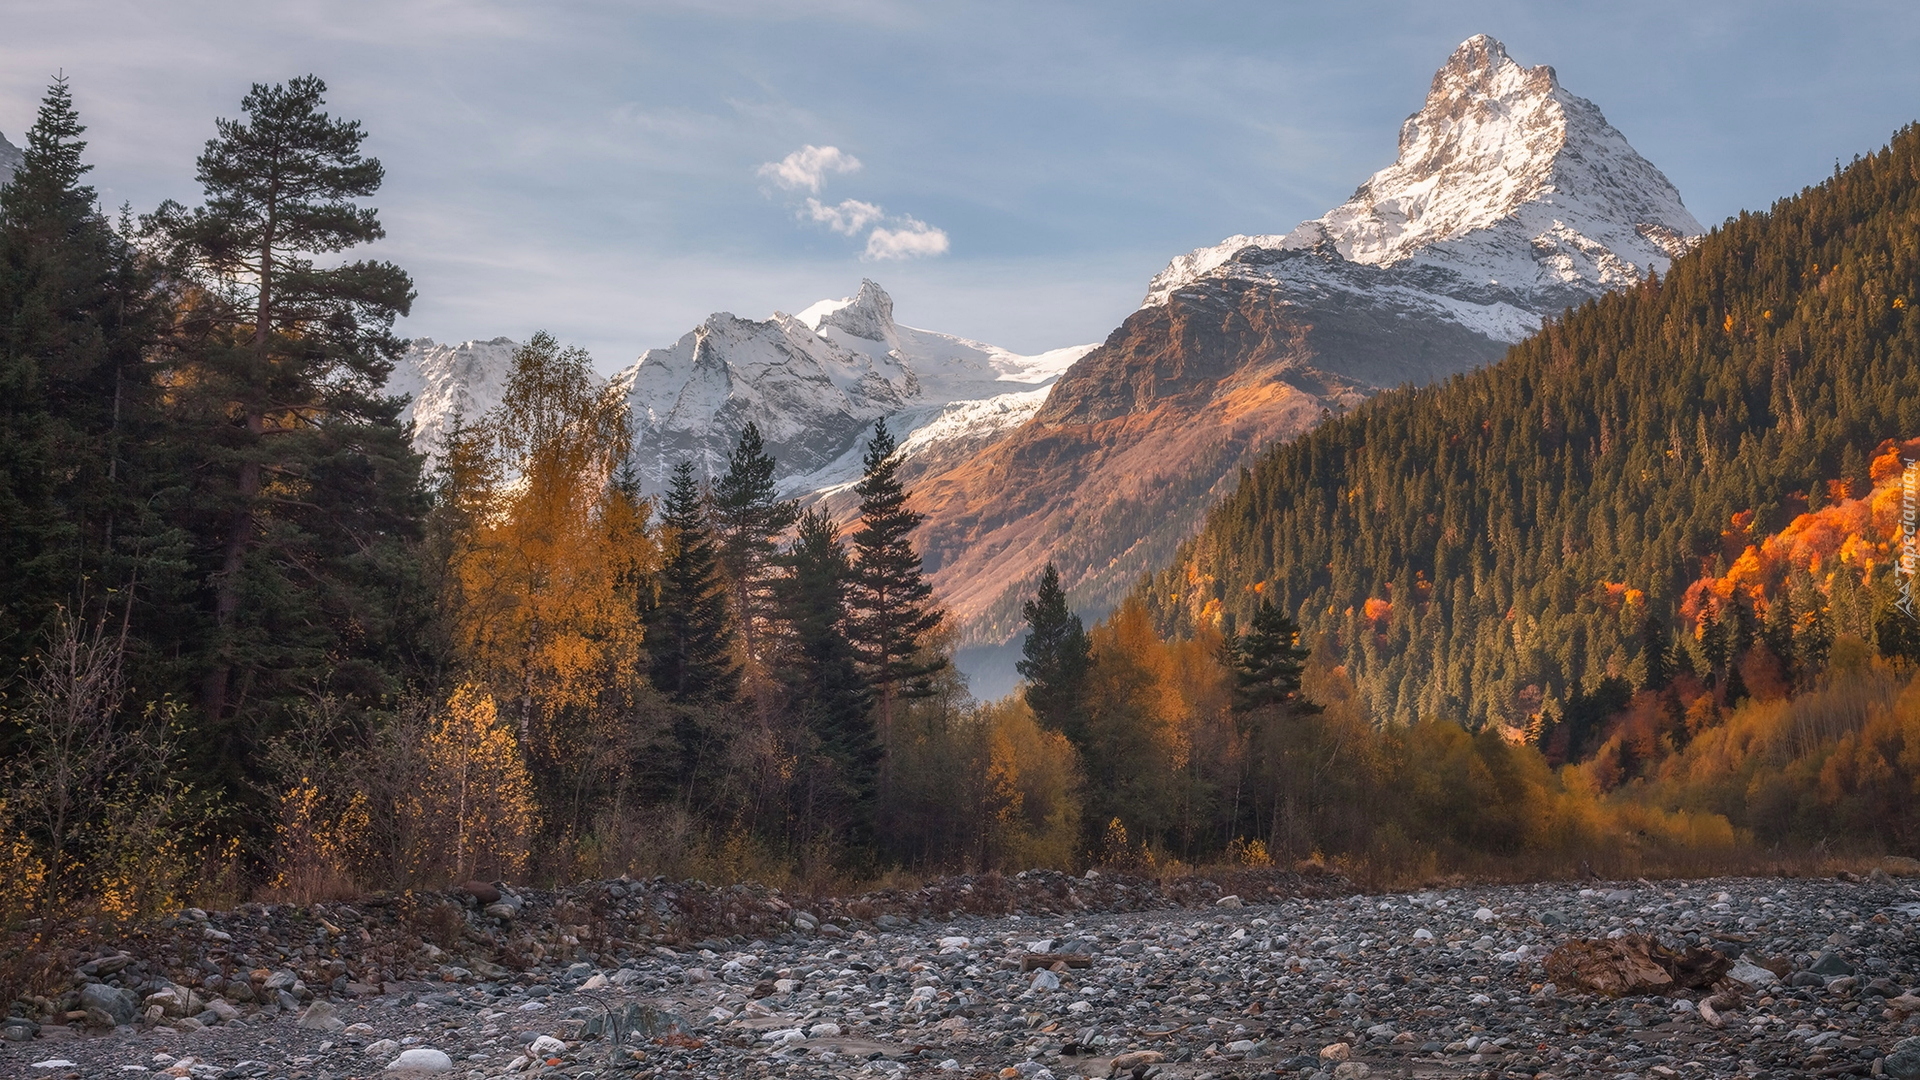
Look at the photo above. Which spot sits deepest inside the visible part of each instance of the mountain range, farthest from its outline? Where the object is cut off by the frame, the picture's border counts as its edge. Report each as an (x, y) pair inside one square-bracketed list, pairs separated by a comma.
[(10, 158), (1510, 200)]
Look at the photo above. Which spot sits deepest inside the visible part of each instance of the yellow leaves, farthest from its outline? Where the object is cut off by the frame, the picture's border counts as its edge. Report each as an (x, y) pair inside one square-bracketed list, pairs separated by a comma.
[(473, 813), (549, 552), (320, 839)]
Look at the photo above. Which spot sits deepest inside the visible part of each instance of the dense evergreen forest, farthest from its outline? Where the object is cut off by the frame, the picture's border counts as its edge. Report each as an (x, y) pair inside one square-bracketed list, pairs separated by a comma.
[(1494, 549), (1588, 605)]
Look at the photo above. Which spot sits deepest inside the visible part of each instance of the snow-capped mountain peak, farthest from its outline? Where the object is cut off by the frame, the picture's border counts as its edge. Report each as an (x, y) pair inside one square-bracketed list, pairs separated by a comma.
[(867, 314), (1503, 180), (813, 383)]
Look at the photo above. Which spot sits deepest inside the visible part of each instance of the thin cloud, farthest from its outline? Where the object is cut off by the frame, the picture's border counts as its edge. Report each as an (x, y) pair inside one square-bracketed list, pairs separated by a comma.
[(808, 167), (849, 217), (914, 239)]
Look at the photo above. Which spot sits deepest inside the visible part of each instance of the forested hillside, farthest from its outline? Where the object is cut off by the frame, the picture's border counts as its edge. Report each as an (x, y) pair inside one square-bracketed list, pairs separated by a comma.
[(1491, 549)]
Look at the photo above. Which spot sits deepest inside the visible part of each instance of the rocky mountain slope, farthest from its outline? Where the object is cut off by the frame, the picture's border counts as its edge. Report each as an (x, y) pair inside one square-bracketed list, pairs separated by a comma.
[(10, 158), (1510, 200), (446, 382), (814, 383)]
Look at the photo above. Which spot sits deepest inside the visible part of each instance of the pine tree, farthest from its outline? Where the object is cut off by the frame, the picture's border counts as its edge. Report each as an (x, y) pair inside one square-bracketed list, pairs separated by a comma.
[(889, 596), (1656, 657), (73, 315), (1267, 662), (749, 520), (1058, 656), (826, 692), (297, 480), (1713, 646), (688, 634)]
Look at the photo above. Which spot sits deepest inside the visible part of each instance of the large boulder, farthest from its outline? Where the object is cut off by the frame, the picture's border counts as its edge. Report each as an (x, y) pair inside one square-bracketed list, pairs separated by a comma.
[(115, 1003)]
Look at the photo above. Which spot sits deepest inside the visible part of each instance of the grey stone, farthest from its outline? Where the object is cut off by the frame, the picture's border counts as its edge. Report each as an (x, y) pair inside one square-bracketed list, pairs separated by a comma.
[(322, 1016), (117, 1004), (1903, 1062), (423, 1059), (1830, 965)]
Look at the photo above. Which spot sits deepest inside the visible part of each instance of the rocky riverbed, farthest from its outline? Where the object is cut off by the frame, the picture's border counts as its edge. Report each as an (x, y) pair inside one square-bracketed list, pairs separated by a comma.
[(1435, 983)]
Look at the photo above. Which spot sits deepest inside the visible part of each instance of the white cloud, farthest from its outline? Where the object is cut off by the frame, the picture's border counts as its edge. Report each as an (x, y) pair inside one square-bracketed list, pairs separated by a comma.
[(849, 217), (808, 167), (912, 240)]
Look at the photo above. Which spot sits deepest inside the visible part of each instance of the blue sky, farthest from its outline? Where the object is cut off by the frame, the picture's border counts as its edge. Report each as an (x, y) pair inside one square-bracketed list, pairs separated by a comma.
[(596, 168)]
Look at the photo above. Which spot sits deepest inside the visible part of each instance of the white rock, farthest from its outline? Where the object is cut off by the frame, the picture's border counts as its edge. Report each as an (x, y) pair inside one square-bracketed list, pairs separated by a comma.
[(1045, 980), (421, 1059), (546, 1046), (1485, 914), (824, 1031), (1751, 974), (598, 982), (53, 1063)]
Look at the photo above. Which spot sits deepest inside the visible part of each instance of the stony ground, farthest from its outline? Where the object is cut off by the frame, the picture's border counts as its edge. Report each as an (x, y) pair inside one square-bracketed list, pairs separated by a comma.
[(1442, 983)]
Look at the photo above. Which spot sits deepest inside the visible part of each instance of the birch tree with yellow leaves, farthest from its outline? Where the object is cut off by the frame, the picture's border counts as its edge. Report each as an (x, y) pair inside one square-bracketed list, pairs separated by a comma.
[(550, 556)]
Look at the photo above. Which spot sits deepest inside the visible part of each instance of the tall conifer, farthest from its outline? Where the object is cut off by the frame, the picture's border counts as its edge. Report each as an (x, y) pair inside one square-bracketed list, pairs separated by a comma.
[(1058, 656), (298, 482), (826, 691), (1267, 662), (749, 520), (889, 596), (73, 317), (689, 638)]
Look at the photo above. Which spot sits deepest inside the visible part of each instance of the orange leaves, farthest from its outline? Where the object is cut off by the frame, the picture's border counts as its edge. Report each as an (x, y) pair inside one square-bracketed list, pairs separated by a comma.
[(1377, 612), (1617, 596), (1855, 532)]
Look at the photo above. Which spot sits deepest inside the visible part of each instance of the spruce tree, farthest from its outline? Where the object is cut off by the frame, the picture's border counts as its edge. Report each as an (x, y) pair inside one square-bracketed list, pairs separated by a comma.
[(826, 691), (74, 313), (749, 521), (1268, 662), (1058, 656), (889, 596), (689, 639), (297, 480), (1713, 646), (1656, 656)]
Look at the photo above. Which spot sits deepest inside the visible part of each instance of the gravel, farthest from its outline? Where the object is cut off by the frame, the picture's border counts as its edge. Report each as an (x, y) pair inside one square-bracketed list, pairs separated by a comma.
[(1228, 984)]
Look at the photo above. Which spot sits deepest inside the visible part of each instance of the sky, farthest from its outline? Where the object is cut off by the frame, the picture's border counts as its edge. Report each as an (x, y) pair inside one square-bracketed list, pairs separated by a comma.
[(1010, 172)]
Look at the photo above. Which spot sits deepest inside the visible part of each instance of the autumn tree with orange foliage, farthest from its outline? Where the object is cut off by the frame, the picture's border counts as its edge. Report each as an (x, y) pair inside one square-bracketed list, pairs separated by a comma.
[(550, 557)]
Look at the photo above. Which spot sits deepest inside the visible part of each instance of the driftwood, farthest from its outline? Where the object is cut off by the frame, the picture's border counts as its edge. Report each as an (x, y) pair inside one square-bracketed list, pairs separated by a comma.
[(1055, 961), (1634, 964)]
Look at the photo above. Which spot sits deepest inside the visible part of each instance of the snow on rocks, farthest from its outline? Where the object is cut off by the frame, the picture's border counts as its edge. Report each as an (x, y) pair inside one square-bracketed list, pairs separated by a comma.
[(1510, 199)]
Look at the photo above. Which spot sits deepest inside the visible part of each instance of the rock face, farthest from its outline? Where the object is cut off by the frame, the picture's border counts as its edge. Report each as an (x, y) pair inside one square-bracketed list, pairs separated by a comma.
[(1510, 197), (1510, 200), (813, 383), (10, 158), (448, 382)]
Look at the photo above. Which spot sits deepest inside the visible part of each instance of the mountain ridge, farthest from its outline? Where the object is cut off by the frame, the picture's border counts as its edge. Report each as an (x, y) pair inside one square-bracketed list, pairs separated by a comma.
[(1497, 212)]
